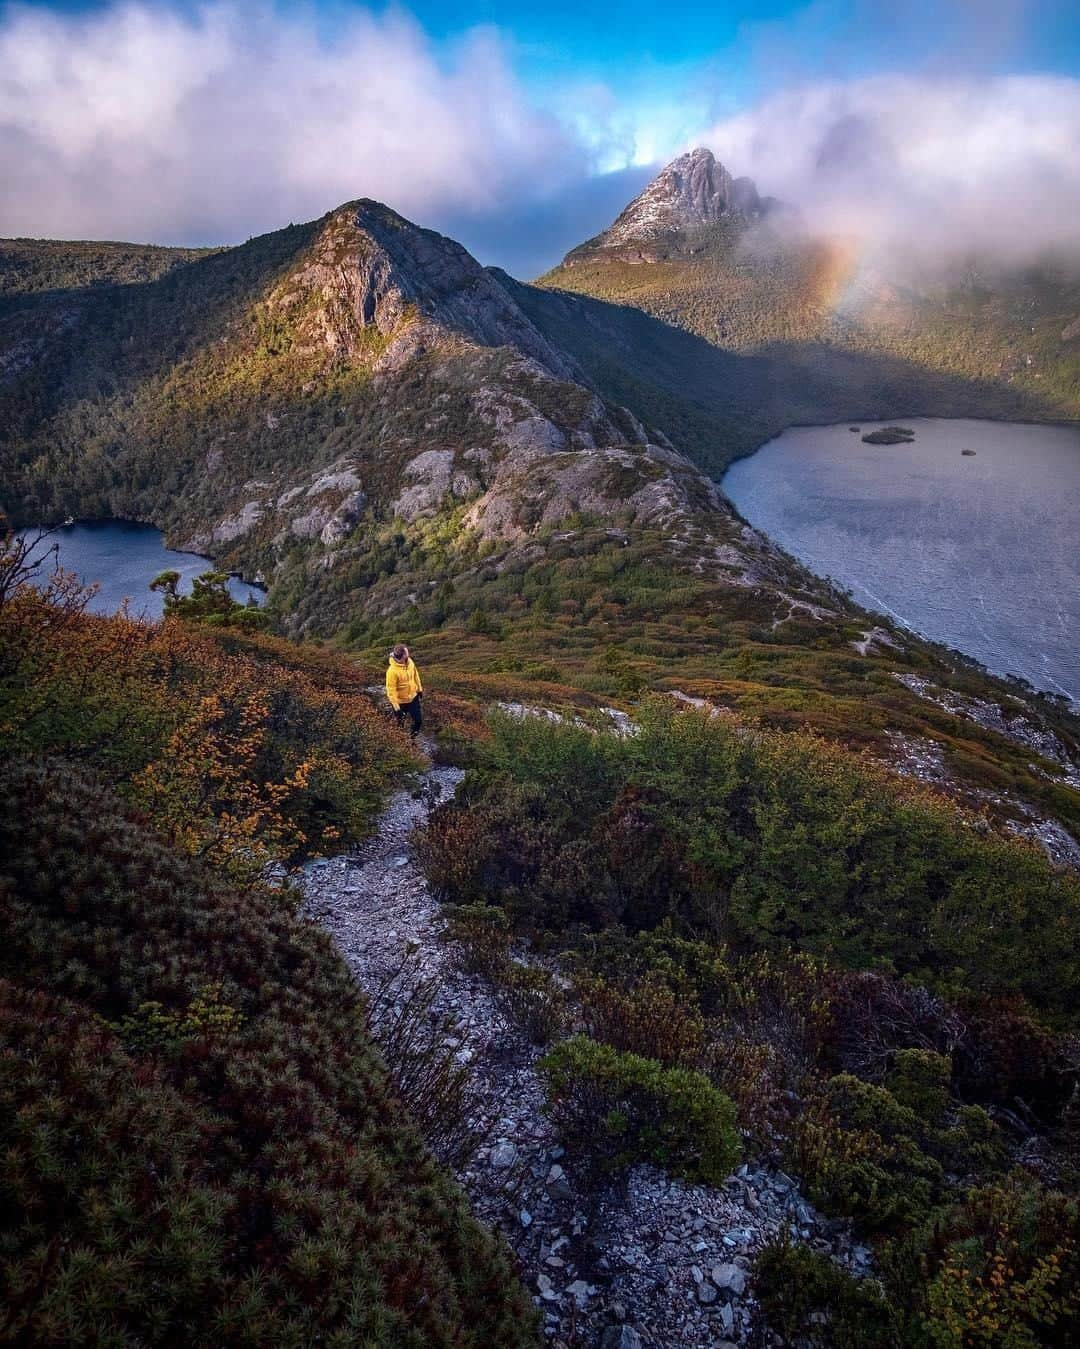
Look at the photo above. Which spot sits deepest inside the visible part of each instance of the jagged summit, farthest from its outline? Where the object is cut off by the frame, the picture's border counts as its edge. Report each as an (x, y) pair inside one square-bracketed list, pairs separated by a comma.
[(370, 266), (692, 191)]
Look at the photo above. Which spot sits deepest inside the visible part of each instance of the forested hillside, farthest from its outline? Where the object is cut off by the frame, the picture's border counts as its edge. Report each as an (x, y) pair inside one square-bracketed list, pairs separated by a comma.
[(39, 266), (841, 337)]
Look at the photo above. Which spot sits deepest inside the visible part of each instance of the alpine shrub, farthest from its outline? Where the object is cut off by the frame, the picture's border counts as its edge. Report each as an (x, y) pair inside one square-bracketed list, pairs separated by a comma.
[(807, 1298), (198, 1141), (630, 1109)]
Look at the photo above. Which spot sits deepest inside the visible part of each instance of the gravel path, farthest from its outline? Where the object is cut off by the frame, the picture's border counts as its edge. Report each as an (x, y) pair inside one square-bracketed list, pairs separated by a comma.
[(654, 1263)]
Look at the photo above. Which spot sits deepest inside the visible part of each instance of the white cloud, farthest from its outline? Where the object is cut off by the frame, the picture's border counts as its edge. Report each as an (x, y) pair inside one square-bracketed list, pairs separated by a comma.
[(922, 164), (135, 122), (174, 125)]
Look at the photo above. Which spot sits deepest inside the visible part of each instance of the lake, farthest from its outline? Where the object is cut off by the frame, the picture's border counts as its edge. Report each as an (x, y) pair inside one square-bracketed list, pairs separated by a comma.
[(124, 558), (978, 551)]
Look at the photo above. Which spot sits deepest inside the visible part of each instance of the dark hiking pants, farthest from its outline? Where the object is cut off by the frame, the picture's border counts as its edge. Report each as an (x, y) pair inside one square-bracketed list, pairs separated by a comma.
[(415, 714)]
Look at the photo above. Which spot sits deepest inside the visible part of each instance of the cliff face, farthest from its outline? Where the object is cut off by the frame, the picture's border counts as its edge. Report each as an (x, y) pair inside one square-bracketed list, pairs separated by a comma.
[(370, 270), (693, 191)]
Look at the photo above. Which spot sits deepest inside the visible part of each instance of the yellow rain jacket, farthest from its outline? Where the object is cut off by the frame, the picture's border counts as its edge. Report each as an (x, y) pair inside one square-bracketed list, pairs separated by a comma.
[(402, 682)]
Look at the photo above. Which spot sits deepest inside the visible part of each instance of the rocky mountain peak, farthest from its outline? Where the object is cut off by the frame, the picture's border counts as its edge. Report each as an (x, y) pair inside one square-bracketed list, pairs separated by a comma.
[(371, 271), (693, 190)]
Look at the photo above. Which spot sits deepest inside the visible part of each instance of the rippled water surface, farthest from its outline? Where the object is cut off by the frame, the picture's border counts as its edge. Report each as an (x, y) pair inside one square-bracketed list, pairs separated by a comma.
[(981, 552), (123, 558)]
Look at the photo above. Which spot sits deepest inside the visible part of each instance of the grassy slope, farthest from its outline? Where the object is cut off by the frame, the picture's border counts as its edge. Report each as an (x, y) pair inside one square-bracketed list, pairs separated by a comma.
[(596, 619)]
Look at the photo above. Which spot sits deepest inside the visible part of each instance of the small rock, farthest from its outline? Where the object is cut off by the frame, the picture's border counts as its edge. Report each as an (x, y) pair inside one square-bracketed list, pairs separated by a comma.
[(727, 1318), (580, 1291), (557, 1184), (620, 1337), (729, 1279), (547, 1288), (503, 1155), (525, 1218), (706, 1293)]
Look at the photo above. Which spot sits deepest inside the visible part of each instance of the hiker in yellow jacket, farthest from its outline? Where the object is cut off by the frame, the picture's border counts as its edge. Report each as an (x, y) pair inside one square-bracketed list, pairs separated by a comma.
[(404, 689)]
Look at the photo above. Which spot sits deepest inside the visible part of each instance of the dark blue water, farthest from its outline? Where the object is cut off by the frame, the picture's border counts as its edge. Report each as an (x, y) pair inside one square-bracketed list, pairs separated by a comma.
[(123, 558), (981, 552)]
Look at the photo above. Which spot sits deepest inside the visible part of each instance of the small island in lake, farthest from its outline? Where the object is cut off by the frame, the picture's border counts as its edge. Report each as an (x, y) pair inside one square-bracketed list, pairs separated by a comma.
[(890, 435), (968, 452)]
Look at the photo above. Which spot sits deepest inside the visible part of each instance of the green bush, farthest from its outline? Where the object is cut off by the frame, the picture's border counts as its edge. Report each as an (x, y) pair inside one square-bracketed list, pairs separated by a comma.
[(757, 838), (999, 1270), (866, 1154), (806, 1297), (920, 1080), (627, 1109)]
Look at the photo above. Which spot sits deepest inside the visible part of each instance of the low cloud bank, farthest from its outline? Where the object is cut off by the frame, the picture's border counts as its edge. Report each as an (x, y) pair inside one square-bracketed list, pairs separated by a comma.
[(149, 124), (929, 168), (209, 125)]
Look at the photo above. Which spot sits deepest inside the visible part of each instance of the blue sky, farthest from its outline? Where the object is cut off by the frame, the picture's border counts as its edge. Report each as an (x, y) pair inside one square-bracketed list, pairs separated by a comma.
[(519, 127), (644, 41)]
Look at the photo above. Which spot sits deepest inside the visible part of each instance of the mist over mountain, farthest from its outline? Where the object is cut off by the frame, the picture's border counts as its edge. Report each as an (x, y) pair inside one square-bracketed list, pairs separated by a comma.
[(923, 171), (851, 325), (947, 159)]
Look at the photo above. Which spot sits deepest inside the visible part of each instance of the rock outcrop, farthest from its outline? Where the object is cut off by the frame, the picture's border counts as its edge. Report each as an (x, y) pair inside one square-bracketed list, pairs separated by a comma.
[(694, 190), (377, 288)]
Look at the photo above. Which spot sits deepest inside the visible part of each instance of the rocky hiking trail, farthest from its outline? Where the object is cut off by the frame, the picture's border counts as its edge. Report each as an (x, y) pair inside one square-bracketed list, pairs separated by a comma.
[(650, 1262)]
